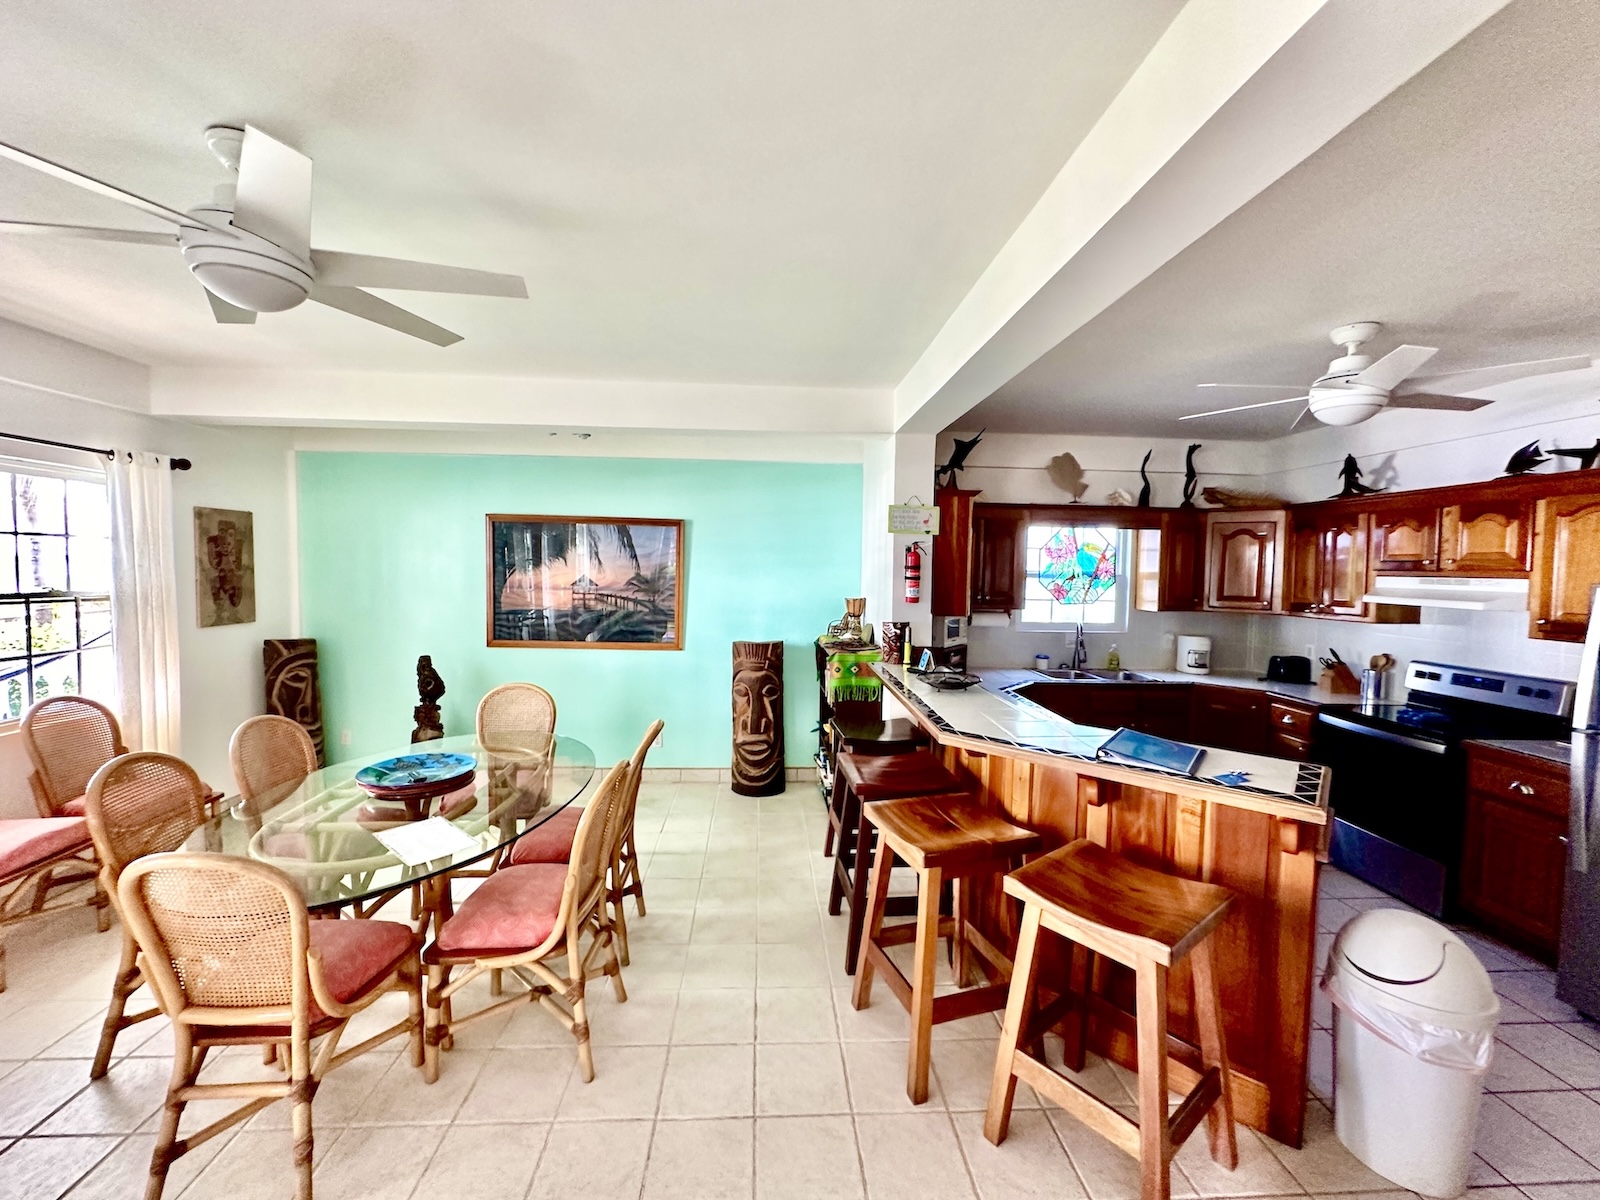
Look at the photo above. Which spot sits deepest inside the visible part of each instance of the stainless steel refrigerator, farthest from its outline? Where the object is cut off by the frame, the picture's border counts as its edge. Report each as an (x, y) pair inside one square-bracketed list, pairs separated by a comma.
[(1578, 972)]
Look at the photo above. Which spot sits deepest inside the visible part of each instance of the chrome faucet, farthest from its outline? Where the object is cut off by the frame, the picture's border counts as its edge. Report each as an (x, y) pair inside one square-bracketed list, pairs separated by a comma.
[(1080, 652)]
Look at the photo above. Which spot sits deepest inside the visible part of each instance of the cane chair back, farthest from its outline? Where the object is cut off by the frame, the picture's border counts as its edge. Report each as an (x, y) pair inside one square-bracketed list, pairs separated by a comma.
[(140, 804), (626, 877), (516, 716), (68, 739), (271, 757)]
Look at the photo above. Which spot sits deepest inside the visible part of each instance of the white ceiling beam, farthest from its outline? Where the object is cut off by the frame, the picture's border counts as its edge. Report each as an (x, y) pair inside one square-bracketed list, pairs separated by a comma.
[(1234, 95), (384, 399), (40, 361)]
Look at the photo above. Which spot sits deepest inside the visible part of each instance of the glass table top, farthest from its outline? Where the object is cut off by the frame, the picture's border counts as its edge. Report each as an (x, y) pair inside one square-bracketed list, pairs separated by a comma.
[(322, 831)]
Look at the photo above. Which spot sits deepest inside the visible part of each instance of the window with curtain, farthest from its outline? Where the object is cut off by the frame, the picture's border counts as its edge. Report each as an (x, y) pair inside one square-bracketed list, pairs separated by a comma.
[(55, 585), (1076, 573)]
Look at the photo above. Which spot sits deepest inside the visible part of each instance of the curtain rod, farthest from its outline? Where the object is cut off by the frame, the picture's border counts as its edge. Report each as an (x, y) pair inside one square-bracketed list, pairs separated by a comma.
[(177, 464)]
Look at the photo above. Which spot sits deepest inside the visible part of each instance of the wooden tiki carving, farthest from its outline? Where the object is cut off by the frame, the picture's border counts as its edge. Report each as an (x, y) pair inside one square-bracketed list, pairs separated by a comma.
[(293, 689), (758, 718)]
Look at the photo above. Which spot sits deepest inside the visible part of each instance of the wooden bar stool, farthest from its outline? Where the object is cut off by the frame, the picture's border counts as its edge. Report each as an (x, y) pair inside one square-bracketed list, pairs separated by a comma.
[(940, 838), (895, 736), (866, 778), (1147, 920)]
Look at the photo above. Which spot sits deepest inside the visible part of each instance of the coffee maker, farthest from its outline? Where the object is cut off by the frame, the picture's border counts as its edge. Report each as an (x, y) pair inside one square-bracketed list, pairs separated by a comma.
[(950, 642)]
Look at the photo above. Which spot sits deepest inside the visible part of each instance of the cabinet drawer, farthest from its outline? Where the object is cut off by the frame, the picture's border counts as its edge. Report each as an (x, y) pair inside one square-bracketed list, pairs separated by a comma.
[(1287, 745), (1291, 719), (1533, 787)]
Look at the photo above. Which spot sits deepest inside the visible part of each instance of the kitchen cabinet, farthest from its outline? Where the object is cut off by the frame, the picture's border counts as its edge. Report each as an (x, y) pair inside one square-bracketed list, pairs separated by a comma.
[(1405, 537), (1328, 562), (1289, 728), (1229, 718), (1167, 564), (1566, 567), (951, 591), (999, 536), (1244, 560), (1485, 536), (1514, 851)]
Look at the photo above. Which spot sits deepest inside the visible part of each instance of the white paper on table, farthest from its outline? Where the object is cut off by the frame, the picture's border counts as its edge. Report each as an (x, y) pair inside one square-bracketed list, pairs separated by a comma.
[(423, 841)]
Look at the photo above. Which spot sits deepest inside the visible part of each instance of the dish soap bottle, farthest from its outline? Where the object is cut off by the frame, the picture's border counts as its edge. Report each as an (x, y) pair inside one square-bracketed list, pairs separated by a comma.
[(1113, 660)]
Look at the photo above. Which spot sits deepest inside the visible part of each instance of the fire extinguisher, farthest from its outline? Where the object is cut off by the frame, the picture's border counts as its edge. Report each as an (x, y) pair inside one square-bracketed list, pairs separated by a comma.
[(914, 573)]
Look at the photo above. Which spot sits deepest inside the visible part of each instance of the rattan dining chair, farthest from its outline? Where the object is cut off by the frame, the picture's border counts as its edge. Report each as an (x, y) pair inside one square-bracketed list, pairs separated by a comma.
[(523, 917), (271, 757), (67, 739), (552, 842), (137, 804), (234, 961), (515, 724)]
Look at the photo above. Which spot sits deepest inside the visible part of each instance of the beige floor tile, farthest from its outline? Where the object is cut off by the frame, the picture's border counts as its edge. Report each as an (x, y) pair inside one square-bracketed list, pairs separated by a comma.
[(43, 1168), (682, 841), (670, 927), (800, 1078), (339, 1097), (592, 1158), (791, 965), (719, 967), (1322, 1164), (701, 1160), (1512, 1071), (715, 1016), (645, 1019), (655, 966), (1574, 1062), (118, 1103), (517, 1086), (795, 1015), (403, 1098), (1031, 1164), (663, 865), (377, 1163), (1107, 1173), (723, 927), (709, 1081), (1319, 1065), (807, 1158), (258, 1164), (33, 1029), (1523, 1152), (730, 891), (484, 1162), (1535, 991), (881, 1021), (966, 1074), (122, 1173), (913, 1154), (732, 855), (36, 1089), (1562, 1191), (1259, 1172), (1587, 1032), (664, 895), (876, 1072), (626, 1085), (83, 1041), (784, 924)]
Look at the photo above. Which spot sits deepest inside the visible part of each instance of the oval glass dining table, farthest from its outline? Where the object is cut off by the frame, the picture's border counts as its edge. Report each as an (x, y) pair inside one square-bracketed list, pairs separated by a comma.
[(323, 831)]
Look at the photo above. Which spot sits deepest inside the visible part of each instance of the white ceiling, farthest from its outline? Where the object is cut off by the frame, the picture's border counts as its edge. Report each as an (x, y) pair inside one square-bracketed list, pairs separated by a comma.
[(1463, 212), (711, 190)]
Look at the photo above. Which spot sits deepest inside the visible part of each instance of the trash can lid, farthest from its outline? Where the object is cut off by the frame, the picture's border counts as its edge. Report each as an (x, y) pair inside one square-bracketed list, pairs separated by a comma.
[(1417, 960)]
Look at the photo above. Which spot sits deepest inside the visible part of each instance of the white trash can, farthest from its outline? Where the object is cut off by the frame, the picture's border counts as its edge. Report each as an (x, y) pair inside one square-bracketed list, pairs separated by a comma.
[(1413, 1031)]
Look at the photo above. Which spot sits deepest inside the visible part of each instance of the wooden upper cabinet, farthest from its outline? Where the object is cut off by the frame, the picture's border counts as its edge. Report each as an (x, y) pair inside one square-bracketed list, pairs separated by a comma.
[(1405, 539), (951, 590), (1244, 569), (1485, 537), (1566, 567), (1167, 572), (998, 542), (1328, 563)]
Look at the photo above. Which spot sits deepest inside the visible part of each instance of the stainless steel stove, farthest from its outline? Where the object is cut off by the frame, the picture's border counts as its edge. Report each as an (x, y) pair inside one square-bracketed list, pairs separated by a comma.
[(1399, 773)]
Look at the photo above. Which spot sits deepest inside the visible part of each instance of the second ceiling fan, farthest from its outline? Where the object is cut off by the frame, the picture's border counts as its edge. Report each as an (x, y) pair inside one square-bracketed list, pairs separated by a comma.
[(1355, 388), (251, 250)]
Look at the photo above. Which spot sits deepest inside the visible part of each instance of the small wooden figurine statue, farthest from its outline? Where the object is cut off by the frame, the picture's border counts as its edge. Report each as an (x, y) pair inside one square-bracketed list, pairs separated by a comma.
[(1144, 492), (1351, 474), (1191, 479), (430, 725), (758, 718)]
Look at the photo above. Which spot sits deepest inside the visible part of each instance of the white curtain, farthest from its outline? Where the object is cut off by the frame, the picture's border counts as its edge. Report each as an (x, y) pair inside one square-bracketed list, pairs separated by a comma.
[(144, 601)]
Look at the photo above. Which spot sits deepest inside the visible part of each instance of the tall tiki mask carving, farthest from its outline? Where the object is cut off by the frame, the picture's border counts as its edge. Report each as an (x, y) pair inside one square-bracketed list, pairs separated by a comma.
[(758, 718)]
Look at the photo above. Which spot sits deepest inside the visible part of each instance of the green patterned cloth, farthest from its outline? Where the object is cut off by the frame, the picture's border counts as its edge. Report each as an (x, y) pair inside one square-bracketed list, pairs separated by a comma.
[(850, 675)]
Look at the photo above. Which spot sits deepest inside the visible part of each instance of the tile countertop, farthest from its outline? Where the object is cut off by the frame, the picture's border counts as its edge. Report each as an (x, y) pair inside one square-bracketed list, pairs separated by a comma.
[(992, 714), (1549, 749)]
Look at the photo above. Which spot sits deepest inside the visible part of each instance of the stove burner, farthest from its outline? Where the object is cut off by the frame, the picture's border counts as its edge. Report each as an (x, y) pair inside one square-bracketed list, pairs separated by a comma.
[(1428, 719)]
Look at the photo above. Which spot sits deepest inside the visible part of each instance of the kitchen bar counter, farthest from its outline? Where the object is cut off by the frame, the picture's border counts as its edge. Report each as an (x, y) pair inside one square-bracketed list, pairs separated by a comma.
[(1549, 749), (1260, 839)]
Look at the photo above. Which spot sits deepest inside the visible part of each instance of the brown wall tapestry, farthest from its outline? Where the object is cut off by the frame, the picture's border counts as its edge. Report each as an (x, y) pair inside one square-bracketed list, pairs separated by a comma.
[(224, 567)]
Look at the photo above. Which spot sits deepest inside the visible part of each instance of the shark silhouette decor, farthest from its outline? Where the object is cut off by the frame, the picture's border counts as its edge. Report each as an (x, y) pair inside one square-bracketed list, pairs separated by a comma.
[(958, 460)]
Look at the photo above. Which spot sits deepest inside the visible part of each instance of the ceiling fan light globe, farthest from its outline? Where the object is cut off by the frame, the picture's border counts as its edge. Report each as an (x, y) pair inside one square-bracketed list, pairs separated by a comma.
[(247, 271), (1346, 408), (249, 287)]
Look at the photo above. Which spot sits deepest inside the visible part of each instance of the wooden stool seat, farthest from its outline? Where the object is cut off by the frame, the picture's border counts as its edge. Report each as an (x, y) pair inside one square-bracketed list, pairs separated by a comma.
[(939, 837), (1144, 919), (895, 736), (896, 776)]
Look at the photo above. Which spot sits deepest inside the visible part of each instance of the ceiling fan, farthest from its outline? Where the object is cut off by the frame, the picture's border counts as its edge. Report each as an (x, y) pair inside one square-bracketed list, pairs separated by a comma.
[(250, 248), (1356, 388)]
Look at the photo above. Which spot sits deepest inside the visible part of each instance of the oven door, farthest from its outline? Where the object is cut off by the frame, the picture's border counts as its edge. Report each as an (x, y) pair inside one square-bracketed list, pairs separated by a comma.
[(1399, 808)]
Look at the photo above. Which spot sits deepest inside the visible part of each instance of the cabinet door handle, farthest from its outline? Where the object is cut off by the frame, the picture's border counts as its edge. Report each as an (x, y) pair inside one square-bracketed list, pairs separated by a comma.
[(1562, 838), (1542, 621), (1427, 562), (1520, 788), (1287, 719)]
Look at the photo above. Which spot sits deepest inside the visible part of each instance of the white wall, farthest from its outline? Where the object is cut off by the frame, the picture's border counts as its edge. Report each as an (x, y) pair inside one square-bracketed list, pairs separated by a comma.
[(233, 468)]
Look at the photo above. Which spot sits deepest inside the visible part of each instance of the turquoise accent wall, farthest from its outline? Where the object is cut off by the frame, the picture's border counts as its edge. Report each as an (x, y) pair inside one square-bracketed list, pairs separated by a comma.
[(392, 566)]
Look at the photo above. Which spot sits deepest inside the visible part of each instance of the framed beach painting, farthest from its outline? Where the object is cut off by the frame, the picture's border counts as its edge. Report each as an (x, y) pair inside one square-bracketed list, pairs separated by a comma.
[(591, 583)]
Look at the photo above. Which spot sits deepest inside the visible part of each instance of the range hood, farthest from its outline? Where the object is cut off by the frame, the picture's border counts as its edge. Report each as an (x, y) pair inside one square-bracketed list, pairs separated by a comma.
[(1478, 595)]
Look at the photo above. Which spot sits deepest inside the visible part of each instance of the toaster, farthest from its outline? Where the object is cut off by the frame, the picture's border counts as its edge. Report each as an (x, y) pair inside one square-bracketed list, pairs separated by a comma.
[(1288, 668)]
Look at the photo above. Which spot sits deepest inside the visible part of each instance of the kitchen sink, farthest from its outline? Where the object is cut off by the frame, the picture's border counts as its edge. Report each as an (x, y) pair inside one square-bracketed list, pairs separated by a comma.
[(1094, 676), (1065, 673)]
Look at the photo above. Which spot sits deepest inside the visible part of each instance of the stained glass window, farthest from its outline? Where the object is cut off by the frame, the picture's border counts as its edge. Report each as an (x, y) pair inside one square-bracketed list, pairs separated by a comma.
[(1075, 573)]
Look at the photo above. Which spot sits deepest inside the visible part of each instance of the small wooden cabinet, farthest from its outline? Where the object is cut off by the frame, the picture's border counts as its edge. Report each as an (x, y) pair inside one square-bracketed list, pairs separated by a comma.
[(1244, 561), (1167, 564), (1514, 854), (1289, 728), (1485, 537), (999, 537), (950, 593), (1328, 563), (1405, 537), (1566, 567), (1229, 718)]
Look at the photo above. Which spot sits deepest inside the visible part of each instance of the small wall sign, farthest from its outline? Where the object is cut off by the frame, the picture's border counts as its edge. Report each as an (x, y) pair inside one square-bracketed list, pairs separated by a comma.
[(914, 519)]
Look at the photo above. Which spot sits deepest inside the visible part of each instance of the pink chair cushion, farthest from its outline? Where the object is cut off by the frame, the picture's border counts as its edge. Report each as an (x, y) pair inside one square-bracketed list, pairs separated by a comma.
[(28, 841), (358, 954), (514, 909), (550, 842), (75, 807)]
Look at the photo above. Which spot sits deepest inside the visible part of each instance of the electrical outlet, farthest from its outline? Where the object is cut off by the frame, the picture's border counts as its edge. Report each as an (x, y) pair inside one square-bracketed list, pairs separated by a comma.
[(344, 737), (1311, 652)]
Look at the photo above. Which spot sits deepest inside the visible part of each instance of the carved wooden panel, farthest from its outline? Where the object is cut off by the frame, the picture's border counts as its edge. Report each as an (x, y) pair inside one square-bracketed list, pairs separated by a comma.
[(292, 685), (758, 718)]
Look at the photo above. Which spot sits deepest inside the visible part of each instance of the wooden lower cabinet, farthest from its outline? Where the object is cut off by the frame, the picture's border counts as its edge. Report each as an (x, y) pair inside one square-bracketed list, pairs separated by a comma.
[(1289, 729), (1514, 853), (1229, 718)]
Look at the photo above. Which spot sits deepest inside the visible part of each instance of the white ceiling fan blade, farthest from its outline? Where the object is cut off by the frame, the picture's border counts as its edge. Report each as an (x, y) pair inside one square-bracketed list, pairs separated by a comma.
[(1217, 412), (363, 304), (1395, 366), (1276, 387), (143, 237), (1482, 377), (274, 194), (89, 184), (1437, 402), (228, 314), (1304, 413), (338, 269)]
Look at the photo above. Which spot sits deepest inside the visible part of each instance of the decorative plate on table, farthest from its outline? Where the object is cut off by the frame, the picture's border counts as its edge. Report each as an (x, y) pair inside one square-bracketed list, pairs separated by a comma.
[(950, 681), (409, 772)]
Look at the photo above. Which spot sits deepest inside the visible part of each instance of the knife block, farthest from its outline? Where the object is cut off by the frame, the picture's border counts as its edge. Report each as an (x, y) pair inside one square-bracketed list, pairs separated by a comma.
[(1339, 679)]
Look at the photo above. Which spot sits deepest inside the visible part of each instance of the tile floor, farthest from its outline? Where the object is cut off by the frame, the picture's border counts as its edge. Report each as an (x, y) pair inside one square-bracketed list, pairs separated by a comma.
[(737, 1068)]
